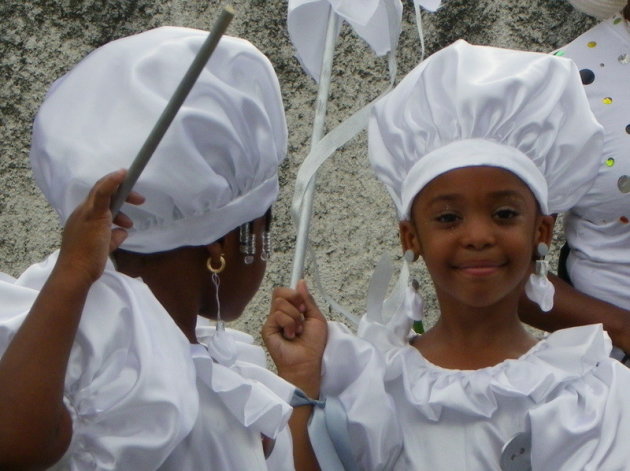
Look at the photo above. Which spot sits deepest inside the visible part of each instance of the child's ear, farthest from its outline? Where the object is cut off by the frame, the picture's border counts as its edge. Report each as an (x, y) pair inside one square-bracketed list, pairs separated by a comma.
[(409, 238), (544, 231), (216, 250)]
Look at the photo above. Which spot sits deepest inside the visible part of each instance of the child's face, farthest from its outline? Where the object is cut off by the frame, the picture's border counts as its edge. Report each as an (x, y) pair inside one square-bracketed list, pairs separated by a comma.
[(477, 229)]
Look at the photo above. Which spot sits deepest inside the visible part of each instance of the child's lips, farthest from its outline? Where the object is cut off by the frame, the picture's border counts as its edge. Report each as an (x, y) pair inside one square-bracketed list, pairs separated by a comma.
[(479, 268)]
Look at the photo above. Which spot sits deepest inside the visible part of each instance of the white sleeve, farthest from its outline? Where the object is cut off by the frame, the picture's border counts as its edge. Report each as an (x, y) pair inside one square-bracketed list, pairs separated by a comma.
[(354, 375), (130, 383), (587, 425)]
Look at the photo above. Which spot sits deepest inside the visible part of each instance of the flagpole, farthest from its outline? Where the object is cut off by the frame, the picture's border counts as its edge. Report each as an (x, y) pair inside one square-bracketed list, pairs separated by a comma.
[(319, 123), (169, 112)]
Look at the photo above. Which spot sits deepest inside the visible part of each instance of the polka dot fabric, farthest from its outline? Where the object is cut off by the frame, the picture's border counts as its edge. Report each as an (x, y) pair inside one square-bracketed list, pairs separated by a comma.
[(598, 228)]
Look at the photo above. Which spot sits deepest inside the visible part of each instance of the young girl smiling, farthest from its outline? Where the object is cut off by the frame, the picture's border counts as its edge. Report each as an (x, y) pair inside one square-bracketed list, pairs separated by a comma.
[(478, 147), (474, 227)]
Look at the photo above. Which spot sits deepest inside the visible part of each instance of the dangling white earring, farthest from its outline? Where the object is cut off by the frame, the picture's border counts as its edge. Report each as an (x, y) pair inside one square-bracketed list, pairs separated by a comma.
[(409, 256), (414, 304), (538, 287)]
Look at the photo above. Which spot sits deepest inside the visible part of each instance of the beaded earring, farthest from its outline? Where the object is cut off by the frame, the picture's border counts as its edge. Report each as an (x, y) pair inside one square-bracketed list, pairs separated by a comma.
[(266, 238), (247, 239)]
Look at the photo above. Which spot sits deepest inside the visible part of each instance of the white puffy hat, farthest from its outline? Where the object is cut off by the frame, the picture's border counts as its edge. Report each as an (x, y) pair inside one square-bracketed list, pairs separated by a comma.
[(217, 165), (601, 9), (470, 105)]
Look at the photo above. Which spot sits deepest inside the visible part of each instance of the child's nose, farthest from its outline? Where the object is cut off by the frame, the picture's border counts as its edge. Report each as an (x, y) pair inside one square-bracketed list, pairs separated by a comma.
[(477, 234)]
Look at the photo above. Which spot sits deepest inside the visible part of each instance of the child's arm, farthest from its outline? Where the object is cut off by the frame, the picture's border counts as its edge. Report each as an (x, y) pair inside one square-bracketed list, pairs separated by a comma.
[(295, 334), (35, 426), (572, 307)]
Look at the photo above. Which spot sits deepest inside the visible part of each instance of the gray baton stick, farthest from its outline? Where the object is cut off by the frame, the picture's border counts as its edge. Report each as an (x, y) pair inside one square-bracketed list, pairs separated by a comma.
[(165, 119)]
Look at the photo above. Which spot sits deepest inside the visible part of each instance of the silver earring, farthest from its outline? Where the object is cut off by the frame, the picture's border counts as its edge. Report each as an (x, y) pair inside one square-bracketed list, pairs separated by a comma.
[(265, 253), (538, 287), (247, 240)]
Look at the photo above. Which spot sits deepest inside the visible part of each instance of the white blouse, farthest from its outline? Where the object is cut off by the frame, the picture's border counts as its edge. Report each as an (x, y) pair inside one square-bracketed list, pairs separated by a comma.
[(565, 399), (142, 397), (598, 228)]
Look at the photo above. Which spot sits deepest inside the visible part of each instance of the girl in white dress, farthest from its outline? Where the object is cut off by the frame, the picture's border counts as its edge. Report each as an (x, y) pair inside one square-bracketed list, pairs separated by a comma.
[(102, 364), (477, 146)]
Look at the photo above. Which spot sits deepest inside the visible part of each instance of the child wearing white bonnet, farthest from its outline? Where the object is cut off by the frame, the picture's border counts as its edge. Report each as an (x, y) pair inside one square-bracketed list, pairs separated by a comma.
[(103, 366), (477, 146)]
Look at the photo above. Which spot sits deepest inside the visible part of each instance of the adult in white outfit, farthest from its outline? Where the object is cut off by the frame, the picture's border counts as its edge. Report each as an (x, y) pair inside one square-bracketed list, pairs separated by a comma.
[(596, 260)]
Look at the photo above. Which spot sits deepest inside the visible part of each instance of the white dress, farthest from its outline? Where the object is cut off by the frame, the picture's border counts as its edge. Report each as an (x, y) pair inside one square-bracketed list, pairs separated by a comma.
[(598, 227), (565, 398), (143, 398)]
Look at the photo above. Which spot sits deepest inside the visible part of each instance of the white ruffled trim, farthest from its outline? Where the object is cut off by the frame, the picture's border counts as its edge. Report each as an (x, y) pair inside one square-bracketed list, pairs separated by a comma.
[(255, 396), (561, 357)]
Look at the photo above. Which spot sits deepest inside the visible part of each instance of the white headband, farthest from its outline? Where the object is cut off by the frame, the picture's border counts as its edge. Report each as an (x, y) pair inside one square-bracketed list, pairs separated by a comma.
[(473, 153)]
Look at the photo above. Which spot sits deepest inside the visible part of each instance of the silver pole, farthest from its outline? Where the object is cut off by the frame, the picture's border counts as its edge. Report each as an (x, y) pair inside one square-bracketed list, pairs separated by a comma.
[(174, 104), (318, 132)]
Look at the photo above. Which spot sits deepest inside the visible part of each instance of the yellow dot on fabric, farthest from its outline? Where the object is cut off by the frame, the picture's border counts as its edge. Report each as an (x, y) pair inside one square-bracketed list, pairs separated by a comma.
[(610, 162), (607, 100), (591, 44)]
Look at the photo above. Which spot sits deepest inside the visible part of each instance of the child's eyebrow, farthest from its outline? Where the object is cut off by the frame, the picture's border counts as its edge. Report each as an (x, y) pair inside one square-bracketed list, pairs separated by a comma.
[(507, 194), (452, 197), (444, 198)]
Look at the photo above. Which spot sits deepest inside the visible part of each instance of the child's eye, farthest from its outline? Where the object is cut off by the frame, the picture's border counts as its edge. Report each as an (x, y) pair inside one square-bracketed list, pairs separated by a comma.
[(505, 214), (446, 218)]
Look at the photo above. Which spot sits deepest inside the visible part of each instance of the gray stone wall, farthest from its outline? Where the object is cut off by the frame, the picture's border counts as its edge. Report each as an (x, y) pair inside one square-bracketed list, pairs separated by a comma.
[(354, 221)]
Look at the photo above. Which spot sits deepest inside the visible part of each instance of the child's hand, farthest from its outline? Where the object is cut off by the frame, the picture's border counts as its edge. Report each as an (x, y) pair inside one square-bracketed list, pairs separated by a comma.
[(88, 237), (295, 334)]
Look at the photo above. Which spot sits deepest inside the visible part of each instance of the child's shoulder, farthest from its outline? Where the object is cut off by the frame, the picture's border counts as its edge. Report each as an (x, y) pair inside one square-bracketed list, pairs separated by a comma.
[(129, 368)]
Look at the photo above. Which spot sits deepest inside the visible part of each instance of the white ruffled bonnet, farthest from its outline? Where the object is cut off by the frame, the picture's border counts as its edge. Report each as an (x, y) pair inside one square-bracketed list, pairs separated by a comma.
[(478, 105), (217, 165)]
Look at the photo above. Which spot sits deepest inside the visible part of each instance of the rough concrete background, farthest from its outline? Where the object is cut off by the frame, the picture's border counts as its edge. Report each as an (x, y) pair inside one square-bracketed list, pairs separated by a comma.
[(354, 220)]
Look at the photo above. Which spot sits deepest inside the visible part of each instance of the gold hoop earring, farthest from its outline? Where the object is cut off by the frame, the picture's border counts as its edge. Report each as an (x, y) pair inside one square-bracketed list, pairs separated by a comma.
[(216, 270)]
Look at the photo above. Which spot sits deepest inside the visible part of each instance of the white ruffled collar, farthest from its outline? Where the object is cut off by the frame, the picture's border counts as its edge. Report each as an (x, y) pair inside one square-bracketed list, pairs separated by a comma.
[(255, 396), (560, 358)]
